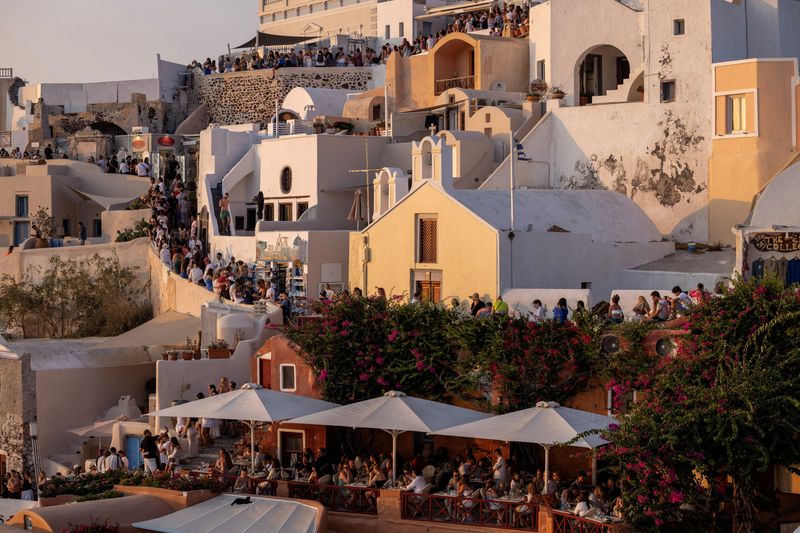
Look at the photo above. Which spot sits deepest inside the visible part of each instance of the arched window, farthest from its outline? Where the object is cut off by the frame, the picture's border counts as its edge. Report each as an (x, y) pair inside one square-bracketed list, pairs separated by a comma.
[(286, 180)]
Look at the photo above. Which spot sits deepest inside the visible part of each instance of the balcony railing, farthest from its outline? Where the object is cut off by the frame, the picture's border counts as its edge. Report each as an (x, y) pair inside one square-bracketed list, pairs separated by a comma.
[(348, 499), (442, 508), (465, 82), (6, 72), (564, 522)]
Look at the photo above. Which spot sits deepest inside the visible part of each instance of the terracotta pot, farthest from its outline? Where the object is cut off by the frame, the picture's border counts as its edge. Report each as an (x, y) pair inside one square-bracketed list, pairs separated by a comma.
[(165, 356), (173, 357), (197, 354), (558, 95), (219, 353), (534, 97), (187, 356)]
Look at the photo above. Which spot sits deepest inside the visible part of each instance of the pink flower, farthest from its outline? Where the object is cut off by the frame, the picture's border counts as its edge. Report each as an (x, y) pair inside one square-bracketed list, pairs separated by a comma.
[(676, 497), (641, 498), (659, 522), (393, 335), (379, 360), (363, 376), (382, 381), (420, 366), (323, 375)]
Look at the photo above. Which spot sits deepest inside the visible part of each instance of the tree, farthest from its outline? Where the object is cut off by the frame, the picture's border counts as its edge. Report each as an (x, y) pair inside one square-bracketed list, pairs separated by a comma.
[(96, 297), (726, 407)]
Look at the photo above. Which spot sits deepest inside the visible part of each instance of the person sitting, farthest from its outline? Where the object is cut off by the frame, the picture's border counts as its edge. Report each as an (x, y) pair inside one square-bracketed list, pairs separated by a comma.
[(537, 311), (242, 484), (418, 484), (173, 454), (615, 313), (224, 463), (476, 305), (582, 508), (597, 499), (661, 309), (641, 309), (560, 311)]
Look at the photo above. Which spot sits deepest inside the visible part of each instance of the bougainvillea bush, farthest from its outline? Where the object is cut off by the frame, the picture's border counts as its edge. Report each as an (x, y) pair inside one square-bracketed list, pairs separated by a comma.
[(712, 421), (363, 347)]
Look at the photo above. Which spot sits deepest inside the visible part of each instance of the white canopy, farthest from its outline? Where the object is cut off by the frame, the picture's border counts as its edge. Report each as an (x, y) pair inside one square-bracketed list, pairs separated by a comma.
[(395, 413), (102, 428), (219, 515), (548, 424), (251, 404)]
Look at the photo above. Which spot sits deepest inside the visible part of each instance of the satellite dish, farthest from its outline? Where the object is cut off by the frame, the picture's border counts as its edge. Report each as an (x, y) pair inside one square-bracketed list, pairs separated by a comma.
[(665, 347), (611, 344)]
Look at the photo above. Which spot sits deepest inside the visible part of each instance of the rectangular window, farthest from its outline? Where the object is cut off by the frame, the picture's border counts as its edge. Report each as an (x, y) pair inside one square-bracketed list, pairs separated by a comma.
[(285, 212), (678, 27), (97, 228), (427, 240), (668, 91), (22, 230), (302, 207), (66, 224), (387, 32), (401, 30), (540, 69), (736, 113), (22, 206), (250, 223), (291, 445), (269, 212), (288, 378)]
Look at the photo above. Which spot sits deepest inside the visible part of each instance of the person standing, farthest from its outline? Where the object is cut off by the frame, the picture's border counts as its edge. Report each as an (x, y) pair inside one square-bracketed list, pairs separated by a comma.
[(149, 450), (143, 168), (225, 214), (82, 233)]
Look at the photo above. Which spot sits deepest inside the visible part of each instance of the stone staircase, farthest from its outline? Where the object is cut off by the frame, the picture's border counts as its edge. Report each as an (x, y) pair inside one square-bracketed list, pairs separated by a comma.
[(620, 94), (208, 455)]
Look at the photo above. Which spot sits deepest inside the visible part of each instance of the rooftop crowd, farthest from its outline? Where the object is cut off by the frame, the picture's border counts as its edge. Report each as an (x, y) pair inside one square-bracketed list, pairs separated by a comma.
[(508, 20)]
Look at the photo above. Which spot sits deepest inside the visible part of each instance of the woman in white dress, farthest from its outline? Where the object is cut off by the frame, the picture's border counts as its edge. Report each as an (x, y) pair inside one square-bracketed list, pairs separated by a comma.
[(191, 436)]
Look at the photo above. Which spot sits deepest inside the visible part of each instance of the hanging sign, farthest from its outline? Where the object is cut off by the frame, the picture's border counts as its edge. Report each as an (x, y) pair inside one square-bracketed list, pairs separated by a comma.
[(776, 242)]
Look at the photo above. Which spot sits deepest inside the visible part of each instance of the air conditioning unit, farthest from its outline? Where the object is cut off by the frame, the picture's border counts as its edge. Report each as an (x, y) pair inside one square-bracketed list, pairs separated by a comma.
[(139, 130)]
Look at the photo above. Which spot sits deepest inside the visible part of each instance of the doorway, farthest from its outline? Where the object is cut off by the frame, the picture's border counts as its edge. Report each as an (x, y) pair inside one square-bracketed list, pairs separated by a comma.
[(291, 444), (430, 291), (591, 76)]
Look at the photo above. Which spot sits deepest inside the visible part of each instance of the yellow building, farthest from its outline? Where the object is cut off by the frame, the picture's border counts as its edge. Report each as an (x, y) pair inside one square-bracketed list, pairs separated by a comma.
[(448, 242), (756, 117)]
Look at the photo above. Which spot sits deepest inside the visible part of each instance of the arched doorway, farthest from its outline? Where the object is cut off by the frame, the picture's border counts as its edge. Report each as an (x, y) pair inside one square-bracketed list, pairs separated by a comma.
[(454, 65), (599, 70)]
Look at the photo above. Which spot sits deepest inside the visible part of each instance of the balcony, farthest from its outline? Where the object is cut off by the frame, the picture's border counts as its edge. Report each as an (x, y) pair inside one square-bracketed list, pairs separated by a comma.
[(569, 523), (465, 82), (6, 72), (503, 513)]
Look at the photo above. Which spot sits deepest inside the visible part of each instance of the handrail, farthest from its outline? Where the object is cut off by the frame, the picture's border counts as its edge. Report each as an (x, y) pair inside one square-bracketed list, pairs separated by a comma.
[(501, 514), (463, 82), (565, 522), (6, 72), (346, 499)]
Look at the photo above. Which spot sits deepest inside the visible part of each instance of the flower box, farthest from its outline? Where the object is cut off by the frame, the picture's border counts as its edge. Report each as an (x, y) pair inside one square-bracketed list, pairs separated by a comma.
[(176, 499), (219, 353)]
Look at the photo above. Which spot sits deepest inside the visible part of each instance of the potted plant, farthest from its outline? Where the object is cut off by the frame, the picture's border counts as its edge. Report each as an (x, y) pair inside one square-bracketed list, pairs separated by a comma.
[(218, 349), (534, 96), (538, 86), (44, 227), (557, 93), (188, 353)]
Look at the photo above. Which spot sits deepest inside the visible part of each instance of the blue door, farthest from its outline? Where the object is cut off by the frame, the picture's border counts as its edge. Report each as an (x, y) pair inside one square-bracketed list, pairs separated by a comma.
[(22, 230), (132, 451)]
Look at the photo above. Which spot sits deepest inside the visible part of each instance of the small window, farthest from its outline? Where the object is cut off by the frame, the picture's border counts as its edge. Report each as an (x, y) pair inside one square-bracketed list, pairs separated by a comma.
[(540, 69), (286, 180), (250, 224), (97, 228), (66, 225), (22, 206), (269, 212), (284, 212), (401, 30), (238, 223), (288, 378), (302, 207), (668, 91), (678, 27), (736, 114), (387, 32), (488, 117), (427, 240)]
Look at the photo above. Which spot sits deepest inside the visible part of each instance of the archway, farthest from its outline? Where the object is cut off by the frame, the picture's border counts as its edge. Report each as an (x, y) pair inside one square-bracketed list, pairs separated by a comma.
[(454, 65), (599, 70), (426, 159)]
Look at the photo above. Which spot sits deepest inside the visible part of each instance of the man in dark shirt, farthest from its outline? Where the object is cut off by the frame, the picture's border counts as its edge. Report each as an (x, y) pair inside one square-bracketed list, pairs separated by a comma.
[(149, 452)]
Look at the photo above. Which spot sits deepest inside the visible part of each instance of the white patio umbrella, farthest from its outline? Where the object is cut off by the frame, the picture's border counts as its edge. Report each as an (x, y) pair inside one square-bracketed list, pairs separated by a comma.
[(100, 429), (394, 413), (548, 424), (250, 405)]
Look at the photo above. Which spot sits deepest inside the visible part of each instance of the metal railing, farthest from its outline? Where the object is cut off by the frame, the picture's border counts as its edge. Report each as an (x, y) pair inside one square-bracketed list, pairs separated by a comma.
[(464, 82), (564, 522), (347, 499), (6, 72), (502, 514)]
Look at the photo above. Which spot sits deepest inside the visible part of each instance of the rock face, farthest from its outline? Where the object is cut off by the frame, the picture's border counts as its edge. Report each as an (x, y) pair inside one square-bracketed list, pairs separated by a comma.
[(17, 409), (249, 97)]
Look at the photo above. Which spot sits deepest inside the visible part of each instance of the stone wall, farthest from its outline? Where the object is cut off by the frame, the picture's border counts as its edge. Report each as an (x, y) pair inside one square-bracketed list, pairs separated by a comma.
[(249, 97), (17, 410)]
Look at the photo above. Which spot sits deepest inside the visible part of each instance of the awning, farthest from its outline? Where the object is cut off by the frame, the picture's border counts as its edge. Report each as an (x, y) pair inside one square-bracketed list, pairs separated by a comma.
[(106, 202), (220, 515), (268, 39), (456, 9)]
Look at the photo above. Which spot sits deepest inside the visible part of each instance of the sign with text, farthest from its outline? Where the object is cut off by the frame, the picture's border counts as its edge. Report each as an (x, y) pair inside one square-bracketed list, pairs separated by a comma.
[(776, 242)]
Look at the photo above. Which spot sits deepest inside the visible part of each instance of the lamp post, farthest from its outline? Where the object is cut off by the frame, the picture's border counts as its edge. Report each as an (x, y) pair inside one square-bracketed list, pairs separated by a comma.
[(33, 430)]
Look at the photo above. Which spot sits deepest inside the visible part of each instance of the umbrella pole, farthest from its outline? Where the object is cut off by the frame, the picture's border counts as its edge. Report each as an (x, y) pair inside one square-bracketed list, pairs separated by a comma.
[(546, 466), (594, 470), (394, 459), (252, 447)]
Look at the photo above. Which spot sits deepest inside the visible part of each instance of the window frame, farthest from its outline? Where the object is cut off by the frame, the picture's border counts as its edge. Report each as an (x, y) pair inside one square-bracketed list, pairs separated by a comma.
[(732, 102), (282, 176), (17, 212), (674, 85), (420, 257), (288, 206), (281, 385), (678, 27)]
